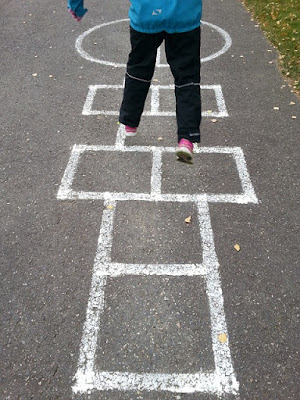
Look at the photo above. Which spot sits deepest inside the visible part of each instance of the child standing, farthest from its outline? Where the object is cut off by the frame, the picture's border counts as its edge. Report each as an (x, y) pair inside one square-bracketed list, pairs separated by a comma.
[(177, 22)]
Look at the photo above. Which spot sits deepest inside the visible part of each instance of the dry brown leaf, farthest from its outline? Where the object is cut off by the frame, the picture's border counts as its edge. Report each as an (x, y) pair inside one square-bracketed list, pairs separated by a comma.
[(222, 337), (237, 247)]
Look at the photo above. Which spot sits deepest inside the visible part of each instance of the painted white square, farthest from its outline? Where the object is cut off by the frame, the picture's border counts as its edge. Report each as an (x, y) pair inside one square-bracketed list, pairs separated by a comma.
[(247, 194), (220, 381), (156, 91)]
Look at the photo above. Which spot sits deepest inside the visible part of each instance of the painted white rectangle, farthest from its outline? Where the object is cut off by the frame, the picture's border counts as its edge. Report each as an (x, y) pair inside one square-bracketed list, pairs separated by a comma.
[(220, 381), (219, 112), (247, 194)]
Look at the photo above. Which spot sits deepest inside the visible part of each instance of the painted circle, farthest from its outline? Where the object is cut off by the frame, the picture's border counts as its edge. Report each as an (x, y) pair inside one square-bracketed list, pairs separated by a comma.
[(87, 56)]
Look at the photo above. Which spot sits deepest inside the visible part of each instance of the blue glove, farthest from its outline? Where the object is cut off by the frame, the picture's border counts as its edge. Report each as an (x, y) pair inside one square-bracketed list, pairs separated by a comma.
[(76, 8)]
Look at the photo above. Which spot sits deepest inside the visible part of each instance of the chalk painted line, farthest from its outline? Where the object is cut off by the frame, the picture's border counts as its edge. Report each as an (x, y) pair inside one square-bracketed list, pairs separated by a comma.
[(155, 101), (246, 196), (176, 383), (221, 381), (87, 56)]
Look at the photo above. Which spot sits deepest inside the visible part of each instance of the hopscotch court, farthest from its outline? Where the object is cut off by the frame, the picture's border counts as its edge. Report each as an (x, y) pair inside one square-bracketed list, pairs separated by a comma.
[(220, 380)]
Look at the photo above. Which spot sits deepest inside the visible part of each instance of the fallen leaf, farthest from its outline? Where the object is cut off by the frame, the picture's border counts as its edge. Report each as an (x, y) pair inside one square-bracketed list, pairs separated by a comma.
[(110, 207), (188, 220), (222, 337), (276, 108), (209, 111), (237, 247), (35, 74), (292, 103), (160, 139), (214, 120), (178, 325), (294, 117)]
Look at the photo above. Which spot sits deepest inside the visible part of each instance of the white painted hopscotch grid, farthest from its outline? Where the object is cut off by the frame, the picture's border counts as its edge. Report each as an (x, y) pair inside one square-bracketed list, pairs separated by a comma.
[(247, 194), (155, 90), (222, 379)]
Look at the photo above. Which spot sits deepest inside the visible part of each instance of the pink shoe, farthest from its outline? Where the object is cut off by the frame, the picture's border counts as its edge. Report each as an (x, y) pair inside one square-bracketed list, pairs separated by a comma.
[(185, 151), (129, 131)]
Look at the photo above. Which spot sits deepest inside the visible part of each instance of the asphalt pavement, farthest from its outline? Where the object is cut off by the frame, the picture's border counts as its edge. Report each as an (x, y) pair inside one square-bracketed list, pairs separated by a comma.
[(126, 274)]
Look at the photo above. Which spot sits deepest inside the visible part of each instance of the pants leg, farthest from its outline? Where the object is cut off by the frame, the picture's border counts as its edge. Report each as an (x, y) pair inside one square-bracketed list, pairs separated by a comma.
[(183, 56), (140, 69)]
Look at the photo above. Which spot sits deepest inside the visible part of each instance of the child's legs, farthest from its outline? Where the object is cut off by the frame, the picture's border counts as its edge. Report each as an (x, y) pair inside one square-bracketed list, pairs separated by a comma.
[(140, 69), (183, 55)]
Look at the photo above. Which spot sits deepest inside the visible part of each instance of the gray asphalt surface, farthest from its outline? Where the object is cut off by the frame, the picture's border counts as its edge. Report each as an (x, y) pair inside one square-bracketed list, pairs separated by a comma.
[(150, 324)]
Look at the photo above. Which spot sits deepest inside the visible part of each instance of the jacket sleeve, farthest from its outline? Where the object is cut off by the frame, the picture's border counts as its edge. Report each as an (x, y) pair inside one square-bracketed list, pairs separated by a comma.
[(77, 7)]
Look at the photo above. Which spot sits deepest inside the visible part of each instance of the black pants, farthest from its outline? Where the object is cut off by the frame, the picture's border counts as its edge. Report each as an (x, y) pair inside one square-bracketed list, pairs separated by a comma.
[(183, 56)]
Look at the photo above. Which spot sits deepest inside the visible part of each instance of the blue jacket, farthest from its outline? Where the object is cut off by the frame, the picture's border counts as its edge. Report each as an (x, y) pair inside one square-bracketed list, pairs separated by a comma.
[(152, 16)]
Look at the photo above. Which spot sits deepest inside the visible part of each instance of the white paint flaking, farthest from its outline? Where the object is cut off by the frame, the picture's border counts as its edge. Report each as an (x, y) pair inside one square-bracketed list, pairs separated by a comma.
[(156, 173), (96, 298), (154, 99), (244, 174), (180, 198), (158, 57), (120, 139), (124, 381), (222, 110), (86, 55), (65, 187), (222, 356), (226, 37), (121, 269)]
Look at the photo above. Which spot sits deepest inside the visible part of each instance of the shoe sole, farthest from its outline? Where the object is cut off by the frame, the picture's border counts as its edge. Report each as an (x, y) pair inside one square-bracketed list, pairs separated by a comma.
[(130, 134), (185, 155)]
